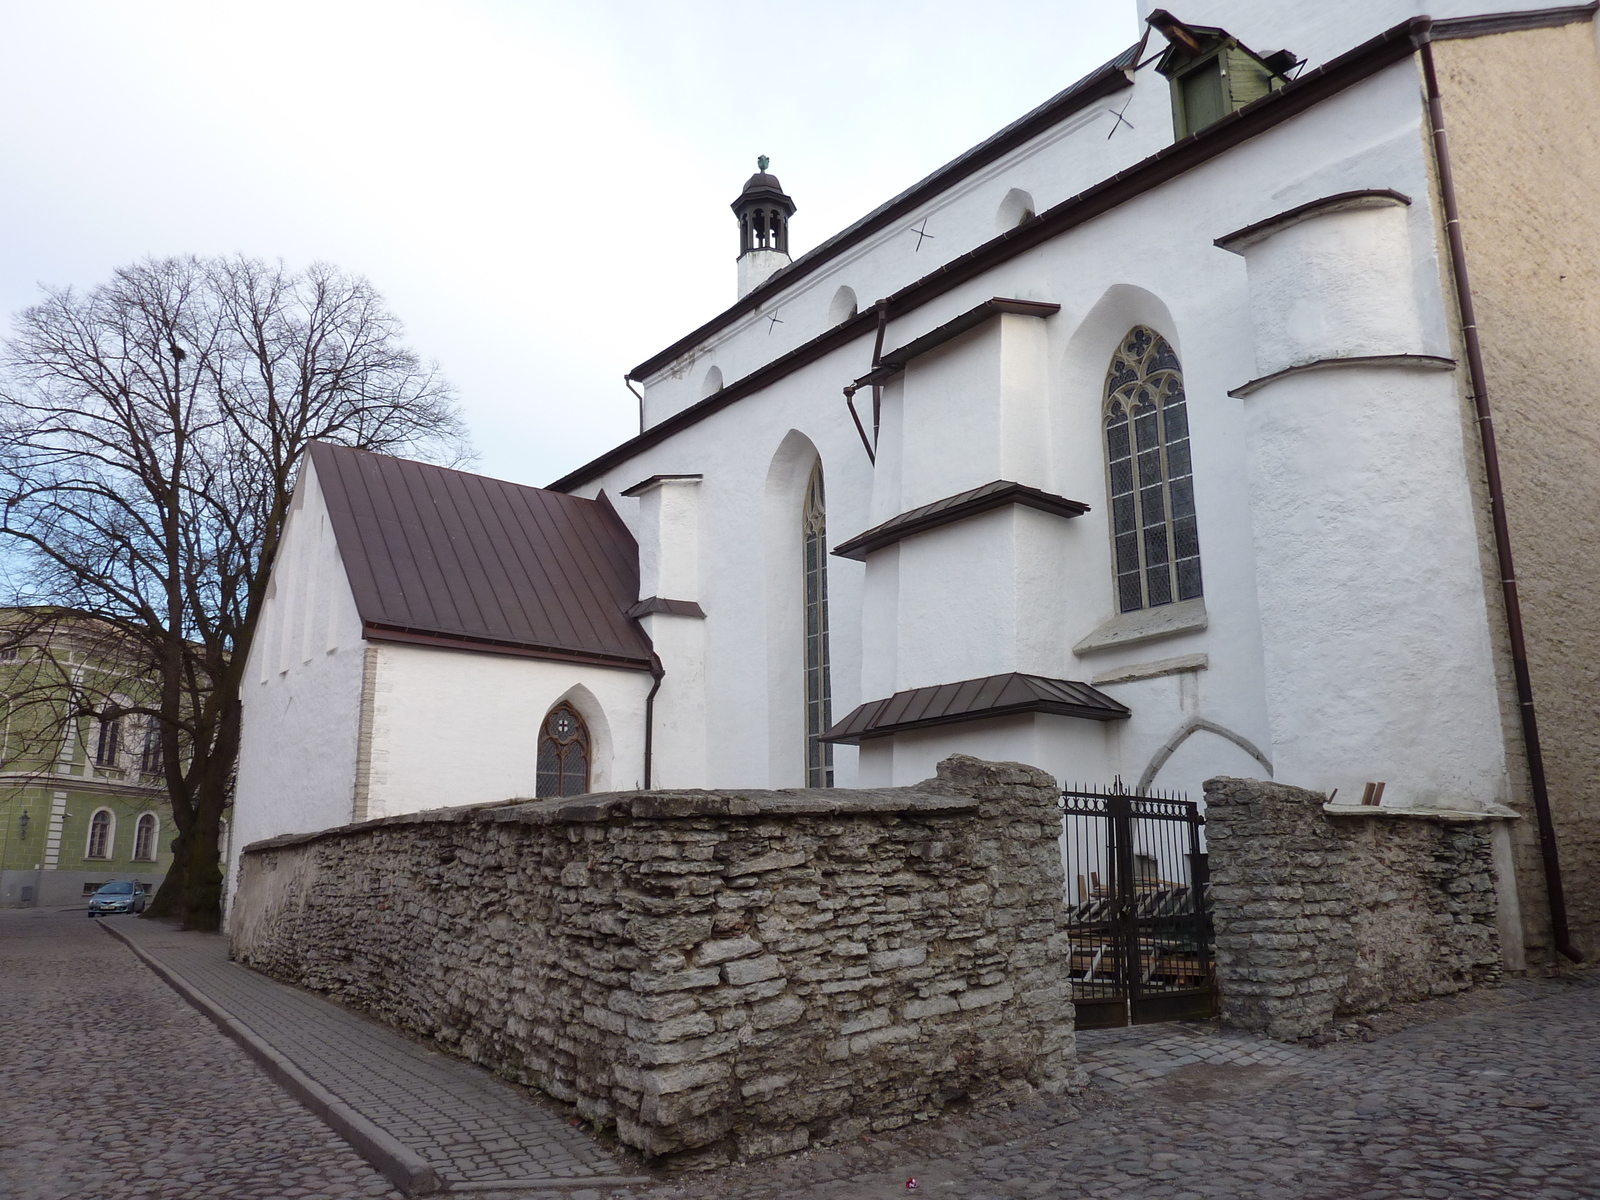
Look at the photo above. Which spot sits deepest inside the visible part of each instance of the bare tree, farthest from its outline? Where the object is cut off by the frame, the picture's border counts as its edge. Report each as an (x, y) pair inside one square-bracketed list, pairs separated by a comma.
[(151, 431)]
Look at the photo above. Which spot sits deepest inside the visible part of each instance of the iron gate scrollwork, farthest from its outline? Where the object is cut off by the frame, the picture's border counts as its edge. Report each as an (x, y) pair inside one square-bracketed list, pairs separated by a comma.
[(1138, 922)]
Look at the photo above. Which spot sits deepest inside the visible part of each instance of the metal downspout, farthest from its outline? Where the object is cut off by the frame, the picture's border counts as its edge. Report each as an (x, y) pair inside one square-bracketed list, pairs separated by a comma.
[(658, 673), (1556, 895)]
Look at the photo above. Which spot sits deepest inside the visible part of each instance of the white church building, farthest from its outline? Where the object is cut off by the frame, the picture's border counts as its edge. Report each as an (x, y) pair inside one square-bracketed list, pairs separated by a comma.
[(1149, 439)]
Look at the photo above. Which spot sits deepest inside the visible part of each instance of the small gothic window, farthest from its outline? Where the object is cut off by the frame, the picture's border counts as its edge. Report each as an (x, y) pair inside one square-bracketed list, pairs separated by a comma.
[(563, 754), (105, 751), (99, 835), (144, 838), (1155, 542), (819, 698)]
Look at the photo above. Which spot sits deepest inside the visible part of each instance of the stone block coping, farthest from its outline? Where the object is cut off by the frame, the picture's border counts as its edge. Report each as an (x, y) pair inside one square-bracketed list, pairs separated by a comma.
[(661, 805), (1449, 816)]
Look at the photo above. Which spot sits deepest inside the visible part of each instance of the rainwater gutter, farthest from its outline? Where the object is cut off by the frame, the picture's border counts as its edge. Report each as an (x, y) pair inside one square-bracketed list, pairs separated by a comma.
[(658, 673), (1554, 892)]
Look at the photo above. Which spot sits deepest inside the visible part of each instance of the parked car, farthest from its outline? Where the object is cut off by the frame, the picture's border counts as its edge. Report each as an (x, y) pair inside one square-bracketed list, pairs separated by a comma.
[(119, 896)]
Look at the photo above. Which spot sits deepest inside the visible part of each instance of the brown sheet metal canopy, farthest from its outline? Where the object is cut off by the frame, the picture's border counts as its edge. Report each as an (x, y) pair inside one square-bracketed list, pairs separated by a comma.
[(975, 700), (957, 508)]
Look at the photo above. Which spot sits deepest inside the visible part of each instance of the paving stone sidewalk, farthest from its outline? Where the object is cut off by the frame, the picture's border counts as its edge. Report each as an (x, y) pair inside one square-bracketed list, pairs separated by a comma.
[(478, 1132)]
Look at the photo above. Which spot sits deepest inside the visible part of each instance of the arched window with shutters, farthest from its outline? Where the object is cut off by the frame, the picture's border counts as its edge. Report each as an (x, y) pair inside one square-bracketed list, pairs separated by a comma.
[(1155, 541), (101, 828), (144, 838), (819, 691), (563, 754)]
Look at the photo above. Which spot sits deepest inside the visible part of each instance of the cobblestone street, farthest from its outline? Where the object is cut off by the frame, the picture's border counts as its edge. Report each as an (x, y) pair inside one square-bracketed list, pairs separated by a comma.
[(111, 1086)]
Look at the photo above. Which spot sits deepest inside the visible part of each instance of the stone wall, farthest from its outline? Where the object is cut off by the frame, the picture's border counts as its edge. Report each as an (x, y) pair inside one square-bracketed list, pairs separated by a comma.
[(1321, 913), (713, 973)]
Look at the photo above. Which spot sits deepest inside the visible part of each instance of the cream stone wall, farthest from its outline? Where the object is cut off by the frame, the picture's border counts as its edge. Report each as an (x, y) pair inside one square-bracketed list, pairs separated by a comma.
[(1523, 116)]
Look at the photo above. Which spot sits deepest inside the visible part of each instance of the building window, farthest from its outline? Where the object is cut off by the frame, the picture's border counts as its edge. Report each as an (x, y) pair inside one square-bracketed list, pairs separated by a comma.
[(150, 756), (105, 750), (144, 838), (100, 832), (1155, 542), (563, 754), (819, 695)]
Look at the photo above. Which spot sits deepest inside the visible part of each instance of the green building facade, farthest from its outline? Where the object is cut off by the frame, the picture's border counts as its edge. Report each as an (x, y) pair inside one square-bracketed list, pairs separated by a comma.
[(82, 797)]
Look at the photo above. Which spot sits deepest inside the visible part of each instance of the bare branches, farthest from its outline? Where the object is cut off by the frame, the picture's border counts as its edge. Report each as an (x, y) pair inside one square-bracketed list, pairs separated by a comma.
[(151, 430)]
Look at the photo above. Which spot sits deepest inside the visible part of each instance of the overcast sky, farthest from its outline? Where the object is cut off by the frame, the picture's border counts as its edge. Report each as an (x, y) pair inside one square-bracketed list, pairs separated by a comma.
[(539, 189)]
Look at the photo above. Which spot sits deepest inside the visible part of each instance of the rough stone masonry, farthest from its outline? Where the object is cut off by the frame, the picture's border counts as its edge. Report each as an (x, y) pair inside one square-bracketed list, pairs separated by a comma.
[(1323, 912), (713, 973)]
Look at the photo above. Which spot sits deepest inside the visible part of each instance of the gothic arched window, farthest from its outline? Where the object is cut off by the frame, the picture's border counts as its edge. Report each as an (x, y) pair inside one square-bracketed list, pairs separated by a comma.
[(1155, 543), (563, 754), (819, 692)]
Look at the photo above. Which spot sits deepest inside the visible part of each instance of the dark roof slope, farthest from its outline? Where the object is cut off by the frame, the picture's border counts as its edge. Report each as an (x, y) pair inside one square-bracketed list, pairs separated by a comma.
[(442, 557)]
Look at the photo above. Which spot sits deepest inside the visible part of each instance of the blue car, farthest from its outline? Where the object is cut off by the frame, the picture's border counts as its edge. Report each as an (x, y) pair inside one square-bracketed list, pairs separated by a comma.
[(119, 896)]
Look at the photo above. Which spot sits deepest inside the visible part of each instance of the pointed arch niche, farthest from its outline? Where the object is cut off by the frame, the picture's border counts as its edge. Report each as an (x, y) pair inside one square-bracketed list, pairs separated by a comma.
[(843, 306), (799, 676), (1016, 208), (1082, 446)]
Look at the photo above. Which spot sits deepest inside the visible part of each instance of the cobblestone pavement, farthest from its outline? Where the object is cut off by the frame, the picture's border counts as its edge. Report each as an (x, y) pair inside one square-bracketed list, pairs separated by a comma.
[(1492, 1094), (470, 1126), (111, 1087)]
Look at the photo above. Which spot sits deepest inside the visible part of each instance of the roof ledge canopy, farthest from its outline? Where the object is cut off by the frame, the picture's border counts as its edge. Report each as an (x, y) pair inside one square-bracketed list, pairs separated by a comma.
[(975, 700), (951, 509)]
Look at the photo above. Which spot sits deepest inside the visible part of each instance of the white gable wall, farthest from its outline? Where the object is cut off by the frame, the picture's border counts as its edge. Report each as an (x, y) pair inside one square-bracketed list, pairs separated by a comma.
[(302, 687)]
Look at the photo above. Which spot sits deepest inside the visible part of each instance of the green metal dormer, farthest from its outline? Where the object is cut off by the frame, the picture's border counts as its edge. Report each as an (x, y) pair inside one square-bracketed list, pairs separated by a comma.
[(1211, 73)]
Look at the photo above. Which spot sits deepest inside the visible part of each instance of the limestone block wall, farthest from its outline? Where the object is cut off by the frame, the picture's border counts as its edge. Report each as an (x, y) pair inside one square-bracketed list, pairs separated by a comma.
[(1319, 913), (714, 973)]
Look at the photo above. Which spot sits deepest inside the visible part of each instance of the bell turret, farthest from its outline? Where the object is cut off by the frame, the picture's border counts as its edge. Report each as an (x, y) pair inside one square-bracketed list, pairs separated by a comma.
[(763, 211)]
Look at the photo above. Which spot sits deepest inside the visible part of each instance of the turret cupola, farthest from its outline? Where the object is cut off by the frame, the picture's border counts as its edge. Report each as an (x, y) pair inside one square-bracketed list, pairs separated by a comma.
[(763, 211)]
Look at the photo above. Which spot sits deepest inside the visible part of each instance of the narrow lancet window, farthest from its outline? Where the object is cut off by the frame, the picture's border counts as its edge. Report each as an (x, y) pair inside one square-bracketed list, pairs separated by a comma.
[(1155, 542), (819, 695), (563, 768)]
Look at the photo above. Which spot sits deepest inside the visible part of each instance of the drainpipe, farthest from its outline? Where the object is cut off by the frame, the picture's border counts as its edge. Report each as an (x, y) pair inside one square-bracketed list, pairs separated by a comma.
[(658, 673), (627, 382), (1502, 531)]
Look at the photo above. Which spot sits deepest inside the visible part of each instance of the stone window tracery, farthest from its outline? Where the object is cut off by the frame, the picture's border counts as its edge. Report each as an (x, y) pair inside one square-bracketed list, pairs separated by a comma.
[(1154, 536), (819, 693), (563, 766)]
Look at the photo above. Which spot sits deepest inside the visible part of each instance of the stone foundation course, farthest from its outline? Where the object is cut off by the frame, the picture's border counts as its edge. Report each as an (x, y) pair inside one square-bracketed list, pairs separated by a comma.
[(1320, 913), (713, 974)]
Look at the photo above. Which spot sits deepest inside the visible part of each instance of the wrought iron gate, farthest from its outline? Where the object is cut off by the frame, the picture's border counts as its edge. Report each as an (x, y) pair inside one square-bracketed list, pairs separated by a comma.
[(1138, 918)]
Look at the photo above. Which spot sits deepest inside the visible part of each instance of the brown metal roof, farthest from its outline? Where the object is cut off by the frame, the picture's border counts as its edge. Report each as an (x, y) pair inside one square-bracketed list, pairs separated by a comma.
[(441, 557), (975, 700), (957, 508)]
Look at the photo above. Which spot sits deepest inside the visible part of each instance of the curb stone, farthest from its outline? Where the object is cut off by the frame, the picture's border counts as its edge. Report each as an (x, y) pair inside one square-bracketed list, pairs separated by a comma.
[(402, 1167)]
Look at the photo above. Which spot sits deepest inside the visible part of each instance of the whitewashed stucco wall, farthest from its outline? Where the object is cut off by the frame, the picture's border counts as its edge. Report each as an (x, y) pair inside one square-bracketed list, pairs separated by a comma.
[(302, 687), (1150, 261), (462, 727)]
